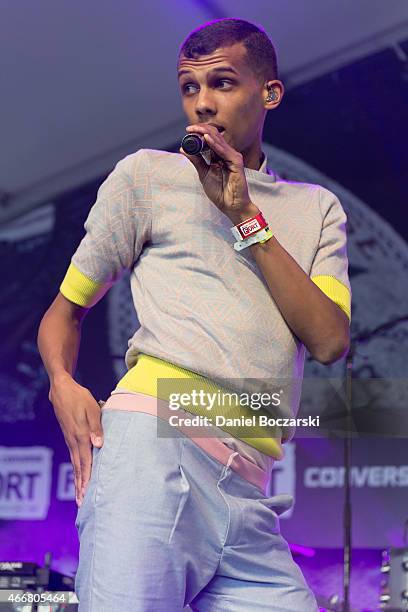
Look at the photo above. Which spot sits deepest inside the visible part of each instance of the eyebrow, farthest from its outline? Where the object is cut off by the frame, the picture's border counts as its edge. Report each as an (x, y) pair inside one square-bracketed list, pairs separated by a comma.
[(215, 70)]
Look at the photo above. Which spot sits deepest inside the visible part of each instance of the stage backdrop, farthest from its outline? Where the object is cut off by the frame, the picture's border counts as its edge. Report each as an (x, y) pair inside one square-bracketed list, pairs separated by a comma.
[(353, 147)]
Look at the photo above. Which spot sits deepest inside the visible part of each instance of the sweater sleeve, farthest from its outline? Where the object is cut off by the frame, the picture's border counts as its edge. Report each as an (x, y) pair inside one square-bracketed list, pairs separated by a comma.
[(329, 269), (117, 226)]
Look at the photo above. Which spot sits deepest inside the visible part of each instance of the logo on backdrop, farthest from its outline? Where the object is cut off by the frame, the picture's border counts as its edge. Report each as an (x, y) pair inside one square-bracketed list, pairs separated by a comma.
[(370, 476), (25, 482), (66, 482)]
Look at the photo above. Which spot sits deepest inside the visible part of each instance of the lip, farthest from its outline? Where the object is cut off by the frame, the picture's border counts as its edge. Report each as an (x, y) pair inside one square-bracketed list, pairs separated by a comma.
[(220, 128)]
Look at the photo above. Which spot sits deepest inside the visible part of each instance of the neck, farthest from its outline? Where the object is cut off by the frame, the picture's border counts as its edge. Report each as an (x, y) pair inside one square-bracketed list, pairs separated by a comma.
[(253, 157)]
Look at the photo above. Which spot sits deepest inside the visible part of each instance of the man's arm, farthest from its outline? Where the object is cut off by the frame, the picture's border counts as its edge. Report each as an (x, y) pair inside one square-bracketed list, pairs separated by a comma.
[(117, 226), (78, 413), (59, 337), (316, 320), (313, 317)]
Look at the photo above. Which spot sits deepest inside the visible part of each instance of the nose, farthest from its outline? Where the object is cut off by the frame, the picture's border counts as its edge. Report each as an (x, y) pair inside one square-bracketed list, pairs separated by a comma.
[(205, 104)]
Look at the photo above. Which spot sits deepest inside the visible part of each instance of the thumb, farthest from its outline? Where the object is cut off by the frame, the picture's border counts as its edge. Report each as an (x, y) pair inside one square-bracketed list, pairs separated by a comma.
[(95, 426), (199, 162), (97, 438)]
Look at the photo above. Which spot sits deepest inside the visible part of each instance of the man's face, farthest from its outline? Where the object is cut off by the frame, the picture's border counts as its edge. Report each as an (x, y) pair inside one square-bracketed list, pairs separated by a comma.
[(221, 89)]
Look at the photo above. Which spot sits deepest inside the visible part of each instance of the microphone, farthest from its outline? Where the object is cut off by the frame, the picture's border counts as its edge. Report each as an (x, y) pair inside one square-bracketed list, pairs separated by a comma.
[(194, 144)]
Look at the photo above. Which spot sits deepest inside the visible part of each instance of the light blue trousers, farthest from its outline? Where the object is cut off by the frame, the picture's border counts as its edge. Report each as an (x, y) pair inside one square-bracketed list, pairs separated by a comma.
[(164, 525)]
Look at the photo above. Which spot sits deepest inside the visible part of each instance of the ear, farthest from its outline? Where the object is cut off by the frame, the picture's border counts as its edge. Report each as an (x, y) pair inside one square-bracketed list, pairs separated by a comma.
[(273, 94)]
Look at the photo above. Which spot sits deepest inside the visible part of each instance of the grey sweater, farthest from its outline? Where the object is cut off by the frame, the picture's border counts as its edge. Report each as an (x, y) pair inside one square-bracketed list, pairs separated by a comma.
[(201, 304)]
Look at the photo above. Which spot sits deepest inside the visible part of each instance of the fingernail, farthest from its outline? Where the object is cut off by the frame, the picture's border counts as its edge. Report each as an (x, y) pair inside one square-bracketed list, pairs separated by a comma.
[(79, 502), (98, 441)]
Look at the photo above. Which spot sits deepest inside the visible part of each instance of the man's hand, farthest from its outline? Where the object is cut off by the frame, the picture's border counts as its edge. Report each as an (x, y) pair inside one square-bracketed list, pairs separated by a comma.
[(79, 416), (224, 180)]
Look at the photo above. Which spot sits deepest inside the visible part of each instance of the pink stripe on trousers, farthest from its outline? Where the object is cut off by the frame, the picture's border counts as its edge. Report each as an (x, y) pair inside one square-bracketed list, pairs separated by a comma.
[(139, 402)]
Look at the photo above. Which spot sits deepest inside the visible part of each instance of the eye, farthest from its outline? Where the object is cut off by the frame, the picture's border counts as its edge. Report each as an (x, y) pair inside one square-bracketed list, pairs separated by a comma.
[(186, 88), (190, 88), (227, 81)]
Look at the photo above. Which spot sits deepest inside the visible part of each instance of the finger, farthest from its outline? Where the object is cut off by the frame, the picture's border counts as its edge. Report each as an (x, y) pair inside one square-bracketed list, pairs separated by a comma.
[(225, 152), (76, 464), (214, 143), (210, 130), (198, 162), (203, 129), (95, 426), (85, 460), (73, 470)]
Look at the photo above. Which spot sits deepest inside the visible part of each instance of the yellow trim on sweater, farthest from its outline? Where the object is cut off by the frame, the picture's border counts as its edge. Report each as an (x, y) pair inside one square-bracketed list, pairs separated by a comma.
[(335, 290), (144, 377), (80, 289)]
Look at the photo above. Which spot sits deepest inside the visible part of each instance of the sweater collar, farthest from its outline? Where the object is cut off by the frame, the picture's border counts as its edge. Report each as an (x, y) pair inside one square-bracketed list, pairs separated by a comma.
[(264, 174), (263, 167)]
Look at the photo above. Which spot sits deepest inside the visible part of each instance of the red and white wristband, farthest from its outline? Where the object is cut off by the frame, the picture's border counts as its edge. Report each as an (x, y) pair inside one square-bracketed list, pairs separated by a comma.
[(252, 230)]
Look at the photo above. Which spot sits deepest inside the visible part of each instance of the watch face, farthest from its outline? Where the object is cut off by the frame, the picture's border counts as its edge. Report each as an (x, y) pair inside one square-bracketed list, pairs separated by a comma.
[(378, 271)]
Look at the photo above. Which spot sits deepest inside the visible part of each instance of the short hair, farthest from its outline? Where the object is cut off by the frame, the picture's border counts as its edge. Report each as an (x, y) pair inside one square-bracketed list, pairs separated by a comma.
[(261, 54)]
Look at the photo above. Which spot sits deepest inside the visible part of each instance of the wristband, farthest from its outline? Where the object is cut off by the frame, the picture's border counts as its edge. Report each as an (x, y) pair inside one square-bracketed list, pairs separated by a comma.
[(250, 226), (262, 236)]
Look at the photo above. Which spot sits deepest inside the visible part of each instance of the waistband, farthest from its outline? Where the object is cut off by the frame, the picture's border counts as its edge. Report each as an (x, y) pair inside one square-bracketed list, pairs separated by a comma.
[(213, 446), (144, 378)]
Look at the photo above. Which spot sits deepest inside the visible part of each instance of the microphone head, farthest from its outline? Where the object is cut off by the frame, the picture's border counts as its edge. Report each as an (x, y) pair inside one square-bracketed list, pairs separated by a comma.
[(194, 144)]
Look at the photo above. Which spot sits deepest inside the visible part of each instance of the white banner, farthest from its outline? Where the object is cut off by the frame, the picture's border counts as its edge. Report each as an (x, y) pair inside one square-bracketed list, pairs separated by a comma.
[(25, 482)]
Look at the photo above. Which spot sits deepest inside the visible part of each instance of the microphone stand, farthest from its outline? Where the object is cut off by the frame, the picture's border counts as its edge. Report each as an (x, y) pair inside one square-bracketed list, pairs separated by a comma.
[(347, 485)]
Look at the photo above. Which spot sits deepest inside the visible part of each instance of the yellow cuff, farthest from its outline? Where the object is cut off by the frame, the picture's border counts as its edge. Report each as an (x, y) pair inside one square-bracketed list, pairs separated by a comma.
[(82, 290), (269, 234), (335, 290)]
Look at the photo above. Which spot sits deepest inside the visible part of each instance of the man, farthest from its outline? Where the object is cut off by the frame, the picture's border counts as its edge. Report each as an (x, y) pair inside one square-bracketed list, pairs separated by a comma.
[(179, 519)]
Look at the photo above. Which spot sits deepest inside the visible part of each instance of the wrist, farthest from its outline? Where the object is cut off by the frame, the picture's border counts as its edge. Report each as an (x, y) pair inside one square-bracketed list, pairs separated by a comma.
[(59, 378), (244, 213)]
